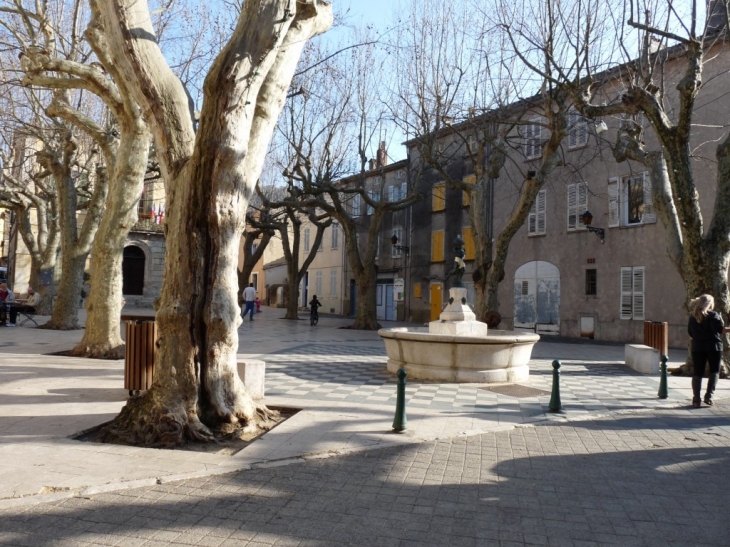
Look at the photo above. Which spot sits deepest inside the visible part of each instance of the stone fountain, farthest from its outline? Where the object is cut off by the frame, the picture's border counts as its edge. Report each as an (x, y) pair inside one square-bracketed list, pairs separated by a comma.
[(457, 347)]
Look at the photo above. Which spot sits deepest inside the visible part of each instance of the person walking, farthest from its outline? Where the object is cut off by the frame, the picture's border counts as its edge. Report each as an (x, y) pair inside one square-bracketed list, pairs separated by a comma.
[(249, 297), (705, 327)]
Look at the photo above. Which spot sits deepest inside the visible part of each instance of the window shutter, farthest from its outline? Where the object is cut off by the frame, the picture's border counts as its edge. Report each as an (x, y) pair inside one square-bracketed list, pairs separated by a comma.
[(438, 202), (638, 290), (572, 129), (391, 193), (356, 205), (613, 203), (582, 204), (649, 211), (626, 293), (403, 190), (541, 203), (572, 206), (469, 249), (437, 247)]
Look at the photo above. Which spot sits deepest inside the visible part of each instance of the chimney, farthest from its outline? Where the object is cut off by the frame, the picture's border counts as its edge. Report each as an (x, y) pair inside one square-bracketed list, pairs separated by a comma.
[(382, 158), (371, 164)]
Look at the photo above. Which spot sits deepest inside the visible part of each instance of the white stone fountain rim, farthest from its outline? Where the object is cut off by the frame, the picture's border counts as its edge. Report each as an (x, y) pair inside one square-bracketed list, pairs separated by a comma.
[(421, 334)]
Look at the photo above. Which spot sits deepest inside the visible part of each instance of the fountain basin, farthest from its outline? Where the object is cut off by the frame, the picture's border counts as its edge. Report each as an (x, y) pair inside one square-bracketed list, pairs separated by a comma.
[(500, 356)]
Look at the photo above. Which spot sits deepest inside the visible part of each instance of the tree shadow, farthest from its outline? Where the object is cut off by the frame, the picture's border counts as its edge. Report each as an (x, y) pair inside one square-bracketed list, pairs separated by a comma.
[(476, 491)]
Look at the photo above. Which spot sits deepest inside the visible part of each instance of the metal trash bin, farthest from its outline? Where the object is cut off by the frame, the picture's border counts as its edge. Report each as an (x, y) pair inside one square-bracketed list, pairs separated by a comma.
[(139, 357), (656, 335)]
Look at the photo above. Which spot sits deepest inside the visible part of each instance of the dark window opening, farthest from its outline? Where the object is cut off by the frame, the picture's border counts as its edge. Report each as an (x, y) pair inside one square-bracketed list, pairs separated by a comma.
[(133, 271), (591, 283)]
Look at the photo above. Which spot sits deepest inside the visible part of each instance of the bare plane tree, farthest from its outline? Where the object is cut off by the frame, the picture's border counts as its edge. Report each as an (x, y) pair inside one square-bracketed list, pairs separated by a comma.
[(209, 175)]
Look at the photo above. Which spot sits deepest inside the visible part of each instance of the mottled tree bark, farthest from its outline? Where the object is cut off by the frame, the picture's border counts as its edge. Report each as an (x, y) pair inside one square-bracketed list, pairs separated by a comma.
[(209, 177)]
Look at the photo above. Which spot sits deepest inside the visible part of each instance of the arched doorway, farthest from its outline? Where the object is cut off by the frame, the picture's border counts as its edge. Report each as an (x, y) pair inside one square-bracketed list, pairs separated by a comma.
[(537, 297), (133, 271)]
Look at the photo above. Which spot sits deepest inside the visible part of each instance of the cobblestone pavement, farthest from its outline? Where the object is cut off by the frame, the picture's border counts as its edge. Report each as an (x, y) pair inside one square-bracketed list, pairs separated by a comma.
[(655, 478)]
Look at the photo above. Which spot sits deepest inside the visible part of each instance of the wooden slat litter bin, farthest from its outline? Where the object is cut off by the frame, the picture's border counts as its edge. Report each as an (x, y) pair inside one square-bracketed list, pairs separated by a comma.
[(139, 358), (656, 335)]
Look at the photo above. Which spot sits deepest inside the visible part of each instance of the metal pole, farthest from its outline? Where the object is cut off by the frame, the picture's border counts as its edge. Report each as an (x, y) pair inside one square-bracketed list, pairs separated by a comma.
[(400, 421), (663, 388), (555, 404)]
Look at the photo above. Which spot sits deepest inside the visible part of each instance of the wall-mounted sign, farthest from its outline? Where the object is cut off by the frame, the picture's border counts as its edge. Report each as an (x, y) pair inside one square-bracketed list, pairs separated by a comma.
[(399, 287)]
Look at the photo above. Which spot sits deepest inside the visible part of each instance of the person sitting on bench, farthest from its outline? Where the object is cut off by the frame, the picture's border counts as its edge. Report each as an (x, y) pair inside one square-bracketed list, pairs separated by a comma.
[(27, 307), (6, 298)]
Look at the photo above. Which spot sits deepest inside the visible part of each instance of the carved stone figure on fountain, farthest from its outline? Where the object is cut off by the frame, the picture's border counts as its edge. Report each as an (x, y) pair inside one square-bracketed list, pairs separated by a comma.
[(459, 266)]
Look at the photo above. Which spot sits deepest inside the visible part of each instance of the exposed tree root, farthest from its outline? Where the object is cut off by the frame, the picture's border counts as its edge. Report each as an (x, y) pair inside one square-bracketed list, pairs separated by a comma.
[(98, 351), (52, 325), (143, 422)]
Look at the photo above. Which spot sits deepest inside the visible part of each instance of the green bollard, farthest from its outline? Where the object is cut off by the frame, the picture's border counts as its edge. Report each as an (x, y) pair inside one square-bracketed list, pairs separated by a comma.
[(555, 404), (400, 421), (663, 388)]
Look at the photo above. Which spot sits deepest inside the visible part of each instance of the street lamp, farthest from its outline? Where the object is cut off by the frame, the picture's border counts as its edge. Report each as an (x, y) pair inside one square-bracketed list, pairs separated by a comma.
[(394, 241), (587, 218)]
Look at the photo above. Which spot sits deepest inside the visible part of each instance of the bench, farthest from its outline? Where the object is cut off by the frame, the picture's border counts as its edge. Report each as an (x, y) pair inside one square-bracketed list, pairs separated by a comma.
[(641, 358)]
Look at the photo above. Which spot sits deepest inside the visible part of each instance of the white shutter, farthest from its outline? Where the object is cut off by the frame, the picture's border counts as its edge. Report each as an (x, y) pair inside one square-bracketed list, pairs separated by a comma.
[(572, 206), (613, 203), (333, 283), (572, 129), (392, 193), (626, 293), (638, 290), (403, 190), (649, 211), (541, 211), (356, 205), (306, 240), (582, 205), (318, 284)]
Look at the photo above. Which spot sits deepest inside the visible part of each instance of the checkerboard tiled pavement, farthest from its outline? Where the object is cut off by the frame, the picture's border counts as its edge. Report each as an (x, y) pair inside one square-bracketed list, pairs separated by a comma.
[(356, 374)]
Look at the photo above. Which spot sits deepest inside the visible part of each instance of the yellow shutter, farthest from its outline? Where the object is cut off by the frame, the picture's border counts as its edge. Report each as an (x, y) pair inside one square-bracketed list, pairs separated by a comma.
[(437, 247), (416, 290), (439, 197), (468, 238), (465, 200)]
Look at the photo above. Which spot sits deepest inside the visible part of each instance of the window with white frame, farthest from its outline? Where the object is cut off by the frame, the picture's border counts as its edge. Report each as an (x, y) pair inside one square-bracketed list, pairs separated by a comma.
[(356, 200), (254, 246), (532, 137), (536, 219), (400, 174), (397, 253), (318, 284), (306, 240), (335, 235), (333, 283), (577, 204), (393, 193), (374, 196), (630, 201), (403, 190), (577, 129), (632, 293)]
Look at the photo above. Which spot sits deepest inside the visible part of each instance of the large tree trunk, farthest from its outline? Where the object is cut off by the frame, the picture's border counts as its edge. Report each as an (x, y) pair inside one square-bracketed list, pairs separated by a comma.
[(104, 304), (197, 391), (292, 302), (366, 312), (66, 309)]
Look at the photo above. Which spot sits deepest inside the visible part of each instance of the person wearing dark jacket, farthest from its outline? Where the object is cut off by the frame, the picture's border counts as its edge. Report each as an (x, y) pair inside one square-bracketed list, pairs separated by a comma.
[(706, 328)]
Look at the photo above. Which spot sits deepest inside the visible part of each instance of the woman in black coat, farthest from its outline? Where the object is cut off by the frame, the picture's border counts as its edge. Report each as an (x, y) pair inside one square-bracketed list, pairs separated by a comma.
[(705, 328)]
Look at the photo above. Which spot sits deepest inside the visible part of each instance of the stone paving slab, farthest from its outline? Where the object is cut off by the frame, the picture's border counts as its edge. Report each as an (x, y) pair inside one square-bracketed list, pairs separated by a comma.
[(649, 478), (336, 376)]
